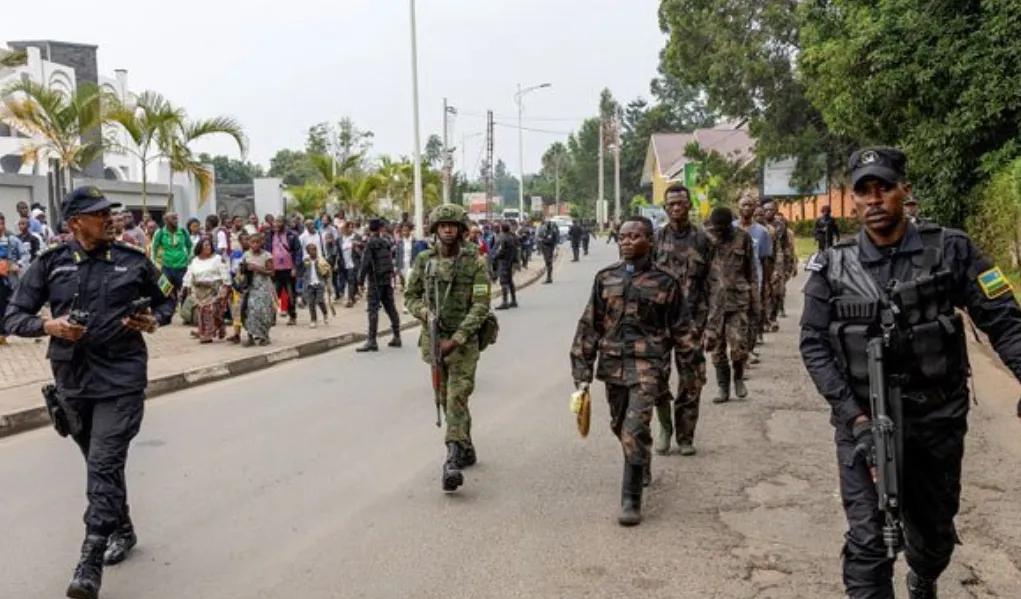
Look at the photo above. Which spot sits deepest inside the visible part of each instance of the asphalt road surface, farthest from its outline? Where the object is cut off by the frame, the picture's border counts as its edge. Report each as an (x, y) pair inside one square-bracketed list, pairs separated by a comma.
[(319, 478)]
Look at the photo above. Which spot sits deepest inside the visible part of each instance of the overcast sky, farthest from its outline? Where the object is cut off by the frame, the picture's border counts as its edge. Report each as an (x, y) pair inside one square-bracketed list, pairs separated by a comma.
[(281, 66)]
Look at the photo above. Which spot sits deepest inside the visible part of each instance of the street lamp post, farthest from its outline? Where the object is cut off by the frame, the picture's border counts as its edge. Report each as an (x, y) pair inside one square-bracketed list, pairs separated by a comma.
[(521, 145), (419, 208)]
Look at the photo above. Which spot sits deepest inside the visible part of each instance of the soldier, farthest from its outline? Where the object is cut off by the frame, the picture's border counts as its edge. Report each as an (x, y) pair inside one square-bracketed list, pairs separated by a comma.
[(449, 280), (377, 266), (504, 258), (731, 298), (922, 273), (99, 361), (682, 249), (549, 238), (635, 316), (791, 256), (586, 235), (575, 234), (777, 282)]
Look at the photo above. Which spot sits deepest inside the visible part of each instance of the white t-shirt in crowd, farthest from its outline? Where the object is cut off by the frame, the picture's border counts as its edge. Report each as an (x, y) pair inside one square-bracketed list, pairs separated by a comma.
[(313, 237)]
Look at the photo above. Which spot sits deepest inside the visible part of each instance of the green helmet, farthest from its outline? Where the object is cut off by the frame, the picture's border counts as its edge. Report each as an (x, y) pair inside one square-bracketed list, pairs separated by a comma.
[(447, 213)]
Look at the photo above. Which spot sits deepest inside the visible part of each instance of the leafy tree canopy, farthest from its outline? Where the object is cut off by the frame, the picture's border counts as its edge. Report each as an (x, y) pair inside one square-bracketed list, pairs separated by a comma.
[(231, 170)]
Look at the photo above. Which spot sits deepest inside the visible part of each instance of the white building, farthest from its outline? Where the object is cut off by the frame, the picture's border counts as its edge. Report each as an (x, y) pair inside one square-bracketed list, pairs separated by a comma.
[(64, 66)]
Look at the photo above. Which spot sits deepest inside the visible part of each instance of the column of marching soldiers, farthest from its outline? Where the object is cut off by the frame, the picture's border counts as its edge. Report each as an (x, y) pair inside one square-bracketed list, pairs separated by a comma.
[(702, 290)]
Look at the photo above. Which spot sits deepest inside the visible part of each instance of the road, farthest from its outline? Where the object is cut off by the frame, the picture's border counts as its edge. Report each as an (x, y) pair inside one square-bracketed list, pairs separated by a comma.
[(320, 479)]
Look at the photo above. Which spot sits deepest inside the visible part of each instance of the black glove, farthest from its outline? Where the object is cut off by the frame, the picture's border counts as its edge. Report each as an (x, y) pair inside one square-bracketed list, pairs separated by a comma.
[(864, 445)]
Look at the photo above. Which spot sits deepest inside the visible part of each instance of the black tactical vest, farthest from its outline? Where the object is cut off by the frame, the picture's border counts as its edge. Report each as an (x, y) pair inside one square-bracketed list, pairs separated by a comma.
[(927, 348)]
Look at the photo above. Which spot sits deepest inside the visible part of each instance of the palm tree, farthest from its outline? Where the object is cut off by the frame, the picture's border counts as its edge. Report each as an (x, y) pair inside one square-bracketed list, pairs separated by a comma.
[(182, 159), (13, 58), (59, 125), (308, 198), (150, 122), (358, 191)]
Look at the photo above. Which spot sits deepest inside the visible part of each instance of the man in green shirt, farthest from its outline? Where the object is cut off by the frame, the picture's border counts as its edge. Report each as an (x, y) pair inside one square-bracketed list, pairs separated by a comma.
[(171, 251)]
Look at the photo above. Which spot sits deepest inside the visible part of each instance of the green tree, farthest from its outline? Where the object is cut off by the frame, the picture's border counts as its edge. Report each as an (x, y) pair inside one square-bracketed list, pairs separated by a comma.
[(505, 184), (308, 199), (13, 58), (292, 166), (939, 79), (60, 125), (434, 151), (743, 55), (231, 170)]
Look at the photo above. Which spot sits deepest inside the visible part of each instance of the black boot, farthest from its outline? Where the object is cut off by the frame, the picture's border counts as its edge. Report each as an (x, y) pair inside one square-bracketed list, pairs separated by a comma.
[(370, 340), (88, 575), (468, 457), (514, 296), (739, 389), (395, 341), (647, 474), (503, 304), (119, 544), (920, 588), (452, 477), (631, 496), (723, 380)]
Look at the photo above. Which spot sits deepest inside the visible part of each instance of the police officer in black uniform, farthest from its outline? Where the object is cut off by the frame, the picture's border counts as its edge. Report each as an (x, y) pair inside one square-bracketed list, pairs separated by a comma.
[(917, 275), (377, 267), (93, 286), (549, 238)]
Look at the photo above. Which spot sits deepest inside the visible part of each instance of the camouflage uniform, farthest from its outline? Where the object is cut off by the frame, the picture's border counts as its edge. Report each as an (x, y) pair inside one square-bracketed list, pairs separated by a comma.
[(632, 321), (732, 296), (464, 292), (785, 267), (685, 254)]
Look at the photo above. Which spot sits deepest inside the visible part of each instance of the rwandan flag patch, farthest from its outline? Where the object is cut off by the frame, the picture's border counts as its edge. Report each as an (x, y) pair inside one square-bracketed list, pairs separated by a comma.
[(993, 283), (165, 285)]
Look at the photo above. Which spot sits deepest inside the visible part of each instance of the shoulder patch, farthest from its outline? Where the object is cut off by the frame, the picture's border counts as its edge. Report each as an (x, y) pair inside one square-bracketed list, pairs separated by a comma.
[(50, 249), (128, 246), (816, 263), (993, 283)]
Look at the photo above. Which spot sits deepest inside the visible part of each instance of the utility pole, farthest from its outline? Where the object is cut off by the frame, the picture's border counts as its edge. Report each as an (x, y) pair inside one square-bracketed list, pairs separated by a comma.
[(599, 199), (448, 157), (556, 178), (616, 165), (417, 154), (489, 165)]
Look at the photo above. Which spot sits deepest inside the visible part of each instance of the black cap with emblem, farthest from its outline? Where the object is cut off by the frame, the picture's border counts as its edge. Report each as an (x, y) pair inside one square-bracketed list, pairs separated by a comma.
[(86, 200), (885, 164)]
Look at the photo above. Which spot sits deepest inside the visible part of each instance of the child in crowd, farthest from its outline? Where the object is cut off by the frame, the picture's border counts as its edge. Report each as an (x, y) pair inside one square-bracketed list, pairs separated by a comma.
[(316, 276)]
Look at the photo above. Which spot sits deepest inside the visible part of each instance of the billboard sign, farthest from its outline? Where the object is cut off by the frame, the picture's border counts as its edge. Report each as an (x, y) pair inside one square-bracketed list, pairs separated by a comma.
[(776, 179)]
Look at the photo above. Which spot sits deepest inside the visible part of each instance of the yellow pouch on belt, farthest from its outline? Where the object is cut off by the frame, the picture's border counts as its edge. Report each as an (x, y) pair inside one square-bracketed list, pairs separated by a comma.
[(581, 407)]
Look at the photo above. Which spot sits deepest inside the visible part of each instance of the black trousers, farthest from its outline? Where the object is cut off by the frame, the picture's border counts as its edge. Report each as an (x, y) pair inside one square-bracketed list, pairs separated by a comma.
[(547, 257), (108, 426), (575, 247), (931, 488), (282, 279), (382, 295), (584, 244)]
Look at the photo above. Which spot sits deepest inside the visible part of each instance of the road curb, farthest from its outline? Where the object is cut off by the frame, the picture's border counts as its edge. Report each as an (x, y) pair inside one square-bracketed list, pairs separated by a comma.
[(31, 418)]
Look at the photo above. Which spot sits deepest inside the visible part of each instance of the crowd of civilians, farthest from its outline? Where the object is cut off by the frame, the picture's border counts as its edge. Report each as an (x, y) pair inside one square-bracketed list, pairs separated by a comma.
[(234, 275)]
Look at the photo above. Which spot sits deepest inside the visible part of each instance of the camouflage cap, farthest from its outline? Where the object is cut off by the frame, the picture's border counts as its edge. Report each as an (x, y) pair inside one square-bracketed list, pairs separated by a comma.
[(447, 213)]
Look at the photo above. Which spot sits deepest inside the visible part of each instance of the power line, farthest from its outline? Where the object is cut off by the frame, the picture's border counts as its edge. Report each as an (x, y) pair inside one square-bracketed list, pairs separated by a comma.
[(536, 119), (513, 126)]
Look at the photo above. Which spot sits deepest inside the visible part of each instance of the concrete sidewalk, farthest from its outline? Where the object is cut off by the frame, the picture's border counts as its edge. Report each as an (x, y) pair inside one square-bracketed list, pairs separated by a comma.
[(177, 360)]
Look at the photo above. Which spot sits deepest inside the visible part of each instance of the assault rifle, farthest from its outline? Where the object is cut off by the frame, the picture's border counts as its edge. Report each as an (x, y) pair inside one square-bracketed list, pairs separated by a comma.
[(434, 345), (887, 432)]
